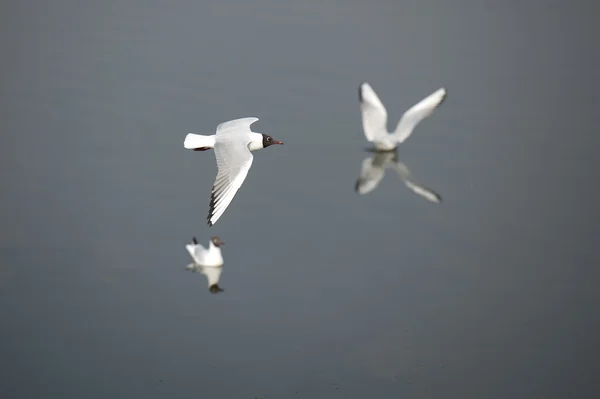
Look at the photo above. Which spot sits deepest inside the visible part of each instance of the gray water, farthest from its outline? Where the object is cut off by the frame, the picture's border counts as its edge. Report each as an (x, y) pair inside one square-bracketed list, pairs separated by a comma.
[(328, 294)]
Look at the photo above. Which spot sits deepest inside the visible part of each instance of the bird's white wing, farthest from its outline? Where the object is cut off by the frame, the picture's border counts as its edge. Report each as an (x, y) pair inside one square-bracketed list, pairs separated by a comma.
[(423, 191), (197, 252), (234, 160), (414, 115), (235, 126), (401, 169), (405, 176), (374, 115), (370, 176), (213, 274)]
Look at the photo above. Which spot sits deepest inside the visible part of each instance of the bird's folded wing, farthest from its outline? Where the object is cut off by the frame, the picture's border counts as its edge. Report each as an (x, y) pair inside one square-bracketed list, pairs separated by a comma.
[(374, 115), (414, 115), (233, 161), (196, 252)]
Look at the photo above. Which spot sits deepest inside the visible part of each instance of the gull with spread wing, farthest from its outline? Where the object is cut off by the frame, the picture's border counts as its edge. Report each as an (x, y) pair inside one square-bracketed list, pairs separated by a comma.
[(233, 144), (207, 261), (374, 117), (374, 167)]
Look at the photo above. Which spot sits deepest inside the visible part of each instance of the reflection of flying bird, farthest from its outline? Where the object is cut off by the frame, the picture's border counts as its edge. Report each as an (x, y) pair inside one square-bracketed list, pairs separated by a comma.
[(373, 170), (207, 261), (233, 144), (374, 117)]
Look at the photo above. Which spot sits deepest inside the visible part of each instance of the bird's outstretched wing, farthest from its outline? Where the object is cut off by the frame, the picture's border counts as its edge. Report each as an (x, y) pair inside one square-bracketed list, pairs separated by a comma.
[(374, 115), (414, 115), (234, 160), (236, 126), (406, 176), (369, 178), (423, 191)]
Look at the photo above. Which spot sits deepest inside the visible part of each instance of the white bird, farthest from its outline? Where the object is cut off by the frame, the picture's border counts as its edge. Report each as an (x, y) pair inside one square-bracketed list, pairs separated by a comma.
[(233, 143), (207, 261), (373, 170), (374, 117)]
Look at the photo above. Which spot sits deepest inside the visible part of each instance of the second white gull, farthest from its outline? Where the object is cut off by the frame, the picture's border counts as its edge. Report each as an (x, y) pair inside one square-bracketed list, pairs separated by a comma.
[(207, 261), (374, 117)]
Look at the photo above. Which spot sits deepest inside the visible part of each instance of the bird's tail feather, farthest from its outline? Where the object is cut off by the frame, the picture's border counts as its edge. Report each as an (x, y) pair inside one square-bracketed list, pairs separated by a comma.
[(198, 142)]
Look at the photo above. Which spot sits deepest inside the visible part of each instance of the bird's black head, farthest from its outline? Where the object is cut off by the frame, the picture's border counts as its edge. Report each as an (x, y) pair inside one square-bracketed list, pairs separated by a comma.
[(268, 140), (217, 242), (215, 289)]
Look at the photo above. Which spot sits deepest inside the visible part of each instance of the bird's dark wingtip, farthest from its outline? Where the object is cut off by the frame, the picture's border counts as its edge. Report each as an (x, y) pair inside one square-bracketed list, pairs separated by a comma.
[(211, 207), (194, 240)]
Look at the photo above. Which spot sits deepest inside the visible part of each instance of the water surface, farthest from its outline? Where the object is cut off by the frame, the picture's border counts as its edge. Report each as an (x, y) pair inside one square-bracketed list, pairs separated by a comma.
[(328, 294)]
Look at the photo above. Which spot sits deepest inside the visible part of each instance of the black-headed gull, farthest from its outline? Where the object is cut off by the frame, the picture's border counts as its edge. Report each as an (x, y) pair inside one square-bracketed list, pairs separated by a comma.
[(373, 170), (233, 143), (374, 117), (207, 261)]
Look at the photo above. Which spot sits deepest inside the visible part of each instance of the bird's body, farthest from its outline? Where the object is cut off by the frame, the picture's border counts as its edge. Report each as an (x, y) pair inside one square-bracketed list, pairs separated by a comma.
[(210, 256), (374, 117), (207, 261), (374, 167), (233, 144)]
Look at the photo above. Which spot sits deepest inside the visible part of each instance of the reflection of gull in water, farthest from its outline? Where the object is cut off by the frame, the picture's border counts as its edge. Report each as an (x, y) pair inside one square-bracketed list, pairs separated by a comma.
[(373, 170), (374, 117), (207, 261)]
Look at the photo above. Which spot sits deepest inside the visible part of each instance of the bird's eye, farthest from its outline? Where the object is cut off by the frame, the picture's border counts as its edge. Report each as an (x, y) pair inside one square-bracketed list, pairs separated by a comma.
[(268, 139)]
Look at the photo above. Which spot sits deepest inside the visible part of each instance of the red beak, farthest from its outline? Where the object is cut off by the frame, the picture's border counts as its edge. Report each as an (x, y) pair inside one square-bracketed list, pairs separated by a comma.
[(277, 142)]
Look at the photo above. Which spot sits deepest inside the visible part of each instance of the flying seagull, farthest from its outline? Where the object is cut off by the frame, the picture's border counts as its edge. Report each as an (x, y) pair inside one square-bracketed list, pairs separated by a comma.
[(374, 117), (233, 143)]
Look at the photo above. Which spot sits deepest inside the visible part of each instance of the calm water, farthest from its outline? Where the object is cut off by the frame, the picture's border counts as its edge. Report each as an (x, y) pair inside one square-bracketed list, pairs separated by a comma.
[(328, 294)]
